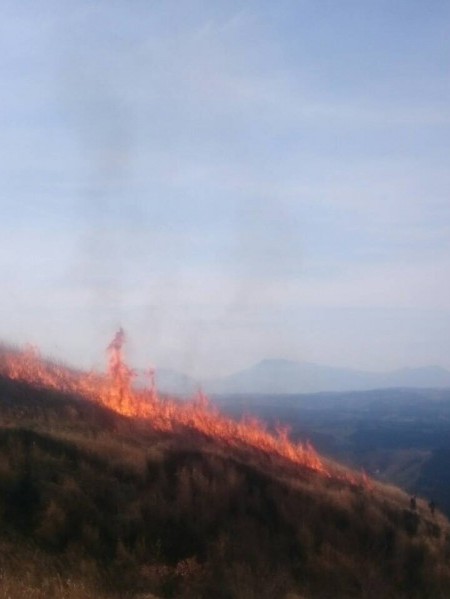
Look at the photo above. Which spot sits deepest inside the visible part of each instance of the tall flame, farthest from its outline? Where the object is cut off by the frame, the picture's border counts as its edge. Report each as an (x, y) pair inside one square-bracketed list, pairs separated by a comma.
[(115, 391)]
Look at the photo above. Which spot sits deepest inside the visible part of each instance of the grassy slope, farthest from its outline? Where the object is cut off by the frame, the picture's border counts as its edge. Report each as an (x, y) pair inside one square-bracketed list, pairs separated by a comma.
[(400, 435), (96, 505)]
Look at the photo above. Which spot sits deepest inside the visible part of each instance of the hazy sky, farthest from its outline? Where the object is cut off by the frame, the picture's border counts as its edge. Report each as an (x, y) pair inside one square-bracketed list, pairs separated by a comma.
[(229, 181)]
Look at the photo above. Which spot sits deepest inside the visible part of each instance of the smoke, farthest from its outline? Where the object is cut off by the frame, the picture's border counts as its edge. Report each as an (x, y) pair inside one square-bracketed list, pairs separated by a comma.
[(91, 85)]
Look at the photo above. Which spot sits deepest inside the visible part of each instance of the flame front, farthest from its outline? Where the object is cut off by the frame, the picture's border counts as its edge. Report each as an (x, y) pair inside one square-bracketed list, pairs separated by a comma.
[(115, 391)]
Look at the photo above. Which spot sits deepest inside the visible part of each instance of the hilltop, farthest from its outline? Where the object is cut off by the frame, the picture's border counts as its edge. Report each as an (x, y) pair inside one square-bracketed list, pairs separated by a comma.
[(94, 503)]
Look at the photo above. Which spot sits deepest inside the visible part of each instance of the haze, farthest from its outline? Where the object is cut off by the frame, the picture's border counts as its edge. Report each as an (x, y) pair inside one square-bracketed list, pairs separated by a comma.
[(228, 181)]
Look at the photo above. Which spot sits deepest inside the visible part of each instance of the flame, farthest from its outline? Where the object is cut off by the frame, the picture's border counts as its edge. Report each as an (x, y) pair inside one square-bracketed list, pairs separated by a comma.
[(115, 391)]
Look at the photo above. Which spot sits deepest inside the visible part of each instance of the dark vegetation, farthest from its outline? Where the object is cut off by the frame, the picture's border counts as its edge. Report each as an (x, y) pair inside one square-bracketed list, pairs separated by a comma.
[(93, 504)]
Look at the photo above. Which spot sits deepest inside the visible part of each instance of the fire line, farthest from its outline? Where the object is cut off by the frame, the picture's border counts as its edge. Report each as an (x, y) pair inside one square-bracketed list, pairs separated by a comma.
[(115, 391)]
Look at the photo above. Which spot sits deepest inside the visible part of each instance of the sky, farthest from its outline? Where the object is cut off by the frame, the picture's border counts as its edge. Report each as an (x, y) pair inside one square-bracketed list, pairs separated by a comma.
[(228, 181)]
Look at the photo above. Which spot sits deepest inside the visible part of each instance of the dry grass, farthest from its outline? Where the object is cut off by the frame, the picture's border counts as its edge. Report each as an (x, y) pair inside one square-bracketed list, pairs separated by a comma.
[(28, 573), (92, 505)]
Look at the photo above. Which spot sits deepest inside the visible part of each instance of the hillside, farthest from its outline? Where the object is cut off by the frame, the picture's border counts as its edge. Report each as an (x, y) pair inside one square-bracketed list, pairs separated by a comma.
[(400, 436), (94, 503)]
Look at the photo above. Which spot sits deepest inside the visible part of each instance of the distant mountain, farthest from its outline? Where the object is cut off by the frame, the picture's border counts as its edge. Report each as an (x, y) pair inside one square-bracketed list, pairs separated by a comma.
[(286, 376)]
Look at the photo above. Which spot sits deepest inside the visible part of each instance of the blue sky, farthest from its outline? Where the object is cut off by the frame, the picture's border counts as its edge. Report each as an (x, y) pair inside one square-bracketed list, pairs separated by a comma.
[(229, 181)]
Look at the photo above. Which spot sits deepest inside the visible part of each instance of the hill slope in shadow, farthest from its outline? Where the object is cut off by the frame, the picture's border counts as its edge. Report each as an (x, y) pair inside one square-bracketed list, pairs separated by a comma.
[(94, 504)]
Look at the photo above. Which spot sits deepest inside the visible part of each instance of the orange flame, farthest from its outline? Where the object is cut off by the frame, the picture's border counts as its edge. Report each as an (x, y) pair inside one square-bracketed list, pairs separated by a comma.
[(115, 391)]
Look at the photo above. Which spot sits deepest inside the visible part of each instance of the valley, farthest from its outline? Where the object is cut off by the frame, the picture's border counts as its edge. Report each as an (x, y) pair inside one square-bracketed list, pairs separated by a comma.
[(401, 436)]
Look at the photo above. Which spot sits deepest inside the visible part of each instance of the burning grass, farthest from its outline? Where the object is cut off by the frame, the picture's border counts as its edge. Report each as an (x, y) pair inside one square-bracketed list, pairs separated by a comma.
[(129, 494), (115, 391), (194, 523), (94, 504)]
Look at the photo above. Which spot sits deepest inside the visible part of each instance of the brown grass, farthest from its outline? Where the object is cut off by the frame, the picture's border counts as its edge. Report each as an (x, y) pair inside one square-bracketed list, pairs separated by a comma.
[(96, 505)]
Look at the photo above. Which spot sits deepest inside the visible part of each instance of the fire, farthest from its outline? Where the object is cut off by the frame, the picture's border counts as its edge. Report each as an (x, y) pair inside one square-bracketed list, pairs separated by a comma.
[(115, 391)]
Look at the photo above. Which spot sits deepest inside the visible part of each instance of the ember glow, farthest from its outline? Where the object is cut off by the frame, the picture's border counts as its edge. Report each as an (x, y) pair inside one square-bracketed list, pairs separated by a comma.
[(115, 391)]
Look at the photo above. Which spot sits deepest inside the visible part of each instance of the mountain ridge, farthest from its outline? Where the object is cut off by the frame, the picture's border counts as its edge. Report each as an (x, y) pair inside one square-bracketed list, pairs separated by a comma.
[(278, 375)]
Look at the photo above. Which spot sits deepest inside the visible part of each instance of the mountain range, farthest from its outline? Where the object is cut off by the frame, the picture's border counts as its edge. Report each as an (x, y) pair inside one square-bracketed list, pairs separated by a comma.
[(286, 376)]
